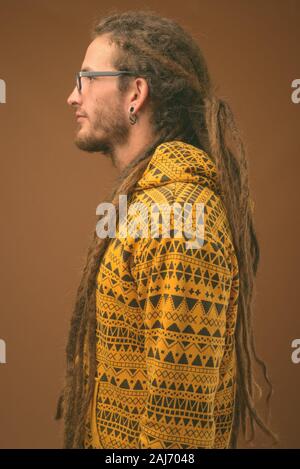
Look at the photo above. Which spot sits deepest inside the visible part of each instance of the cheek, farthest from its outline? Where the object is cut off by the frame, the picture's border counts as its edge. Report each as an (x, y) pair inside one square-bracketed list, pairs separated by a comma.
[(95, 106), (98, 105)]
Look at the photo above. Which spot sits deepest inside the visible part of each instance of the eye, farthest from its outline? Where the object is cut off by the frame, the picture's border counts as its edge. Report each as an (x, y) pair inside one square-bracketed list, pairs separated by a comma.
[(90, 78)]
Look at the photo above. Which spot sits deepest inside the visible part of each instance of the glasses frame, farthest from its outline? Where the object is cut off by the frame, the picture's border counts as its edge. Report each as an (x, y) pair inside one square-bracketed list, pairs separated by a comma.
[(81, 74)]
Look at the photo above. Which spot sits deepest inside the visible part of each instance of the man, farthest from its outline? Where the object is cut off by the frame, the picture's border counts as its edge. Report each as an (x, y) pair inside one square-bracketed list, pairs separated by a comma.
[(102, 111), (160, 345)]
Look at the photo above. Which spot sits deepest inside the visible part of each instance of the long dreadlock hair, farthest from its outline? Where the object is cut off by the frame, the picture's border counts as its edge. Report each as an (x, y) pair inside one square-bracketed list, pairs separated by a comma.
[(183, 107)]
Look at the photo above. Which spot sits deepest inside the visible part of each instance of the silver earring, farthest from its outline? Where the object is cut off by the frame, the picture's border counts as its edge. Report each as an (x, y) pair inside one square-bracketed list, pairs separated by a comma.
[(132, 116)]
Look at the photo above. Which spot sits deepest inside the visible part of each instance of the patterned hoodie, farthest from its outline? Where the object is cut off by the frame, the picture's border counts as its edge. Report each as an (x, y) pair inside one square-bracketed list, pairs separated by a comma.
[(166, 316)]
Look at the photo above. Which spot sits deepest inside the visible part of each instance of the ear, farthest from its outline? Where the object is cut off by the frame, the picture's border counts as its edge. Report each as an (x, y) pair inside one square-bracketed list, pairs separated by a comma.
[(139, 92)]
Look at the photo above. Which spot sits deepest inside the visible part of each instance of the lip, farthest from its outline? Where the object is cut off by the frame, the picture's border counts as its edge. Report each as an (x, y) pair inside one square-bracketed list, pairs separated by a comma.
[(80, 116)]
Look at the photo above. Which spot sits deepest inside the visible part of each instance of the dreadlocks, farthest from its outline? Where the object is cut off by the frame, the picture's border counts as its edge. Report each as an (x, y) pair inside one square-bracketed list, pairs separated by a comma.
[(184, 107)]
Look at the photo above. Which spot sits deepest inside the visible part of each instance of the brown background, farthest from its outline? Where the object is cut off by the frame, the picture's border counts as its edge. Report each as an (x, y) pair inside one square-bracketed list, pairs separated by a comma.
[(50, 190)]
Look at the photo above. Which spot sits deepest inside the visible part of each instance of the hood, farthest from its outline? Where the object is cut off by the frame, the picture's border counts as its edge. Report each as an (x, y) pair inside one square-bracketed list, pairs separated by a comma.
[(177, 161)]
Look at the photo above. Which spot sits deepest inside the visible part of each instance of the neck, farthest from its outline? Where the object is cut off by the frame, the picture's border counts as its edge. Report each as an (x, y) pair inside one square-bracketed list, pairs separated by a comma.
[(138, 141)]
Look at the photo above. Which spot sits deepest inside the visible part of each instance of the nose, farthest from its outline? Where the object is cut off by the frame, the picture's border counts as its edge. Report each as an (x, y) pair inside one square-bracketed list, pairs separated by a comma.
[(74, 98)]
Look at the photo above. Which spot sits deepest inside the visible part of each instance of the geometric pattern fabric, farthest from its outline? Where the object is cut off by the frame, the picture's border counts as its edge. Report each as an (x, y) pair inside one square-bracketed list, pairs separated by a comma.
[(166, 316)]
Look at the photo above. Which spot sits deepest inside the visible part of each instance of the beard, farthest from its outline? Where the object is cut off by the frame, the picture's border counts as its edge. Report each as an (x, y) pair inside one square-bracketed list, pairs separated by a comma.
[(108, 129)]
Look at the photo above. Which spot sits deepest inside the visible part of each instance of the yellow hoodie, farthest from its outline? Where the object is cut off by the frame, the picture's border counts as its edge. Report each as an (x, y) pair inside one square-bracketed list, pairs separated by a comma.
[(166, 315)]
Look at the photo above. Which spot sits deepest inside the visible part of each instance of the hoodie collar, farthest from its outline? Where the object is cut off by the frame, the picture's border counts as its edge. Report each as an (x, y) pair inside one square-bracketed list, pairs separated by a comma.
[(177, 161)]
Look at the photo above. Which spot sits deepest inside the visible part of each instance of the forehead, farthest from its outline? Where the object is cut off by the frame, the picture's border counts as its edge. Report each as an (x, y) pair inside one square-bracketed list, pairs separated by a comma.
[(99, 54)]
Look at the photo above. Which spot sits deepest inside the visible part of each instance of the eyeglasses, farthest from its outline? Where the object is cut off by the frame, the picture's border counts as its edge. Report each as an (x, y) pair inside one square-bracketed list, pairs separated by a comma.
[(88, 74)]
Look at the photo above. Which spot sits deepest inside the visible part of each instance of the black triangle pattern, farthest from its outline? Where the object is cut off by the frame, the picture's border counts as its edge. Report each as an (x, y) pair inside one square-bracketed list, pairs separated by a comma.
[(166, 317)]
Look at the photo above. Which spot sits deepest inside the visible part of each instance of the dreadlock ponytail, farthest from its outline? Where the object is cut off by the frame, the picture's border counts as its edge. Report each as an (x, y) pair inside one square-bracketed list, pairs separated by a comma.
[(228, 152)]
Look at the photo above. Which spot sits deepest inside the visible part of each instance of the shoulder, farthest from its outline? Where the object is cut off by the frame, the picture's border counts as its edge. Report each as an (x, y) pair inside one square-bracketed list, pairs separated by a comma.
[(179, 199)]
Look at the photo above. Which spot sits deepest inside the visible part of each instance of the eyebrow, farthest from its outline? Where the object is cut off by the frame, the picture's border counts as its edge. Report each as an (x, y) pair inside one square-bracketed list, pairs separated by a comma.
[(86, 69)]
